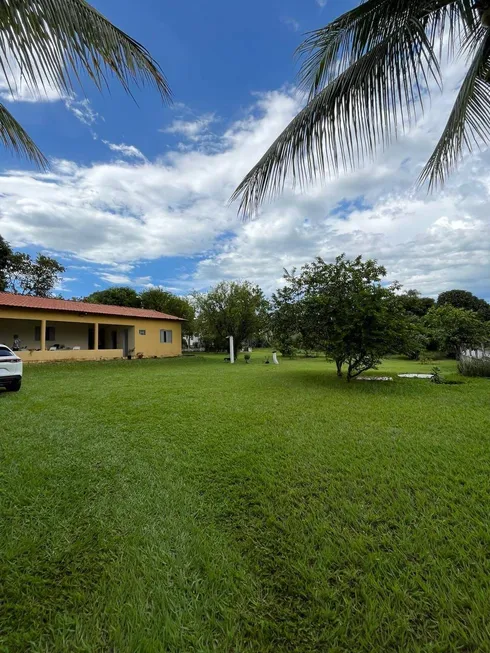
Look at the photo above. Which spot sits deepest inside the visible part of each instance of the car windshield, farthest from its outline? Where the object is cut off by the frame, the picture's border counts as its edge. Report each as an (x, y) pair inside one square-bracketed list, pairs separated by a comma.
[(5, 352)]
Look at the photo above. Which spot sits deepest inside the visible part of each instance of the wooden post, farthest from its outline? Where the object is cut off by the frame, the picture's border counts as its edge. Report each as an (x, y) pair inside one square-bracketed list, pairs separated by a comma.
[(43, 335), (96, 336)]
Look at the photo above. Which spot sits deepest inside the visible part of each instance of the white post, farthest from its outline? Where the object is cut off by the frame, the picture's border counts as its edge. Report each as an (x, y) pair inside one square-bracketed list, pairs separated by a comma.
[(274, 358), (232, 351)]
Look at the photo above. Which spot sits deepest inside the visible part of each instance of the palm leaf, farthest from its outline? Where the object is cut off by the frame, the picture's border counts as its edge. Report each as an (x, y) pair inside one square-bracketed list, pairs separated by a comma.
[(468, 124), (368, 74), (330, 50), (49, 40), (17, 140), (357, 112)]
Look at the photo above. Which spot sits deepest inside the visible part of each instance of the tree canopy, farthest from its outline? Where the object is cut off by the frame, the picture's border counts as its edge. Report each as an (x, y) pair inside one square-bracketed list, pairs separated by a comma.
[(233, 309), (412, 302), (21, 274), (5, 254), (343, 309), (456, 329), (116, 296), (158, 299), (465, 299)]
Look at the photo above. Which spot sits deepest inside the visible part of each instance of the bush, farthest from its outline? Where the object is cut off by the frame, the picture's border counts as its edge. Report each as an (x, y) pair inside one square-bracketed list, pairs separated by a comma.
[(440, 380), (469, 366), (436, 375), (426, 357)]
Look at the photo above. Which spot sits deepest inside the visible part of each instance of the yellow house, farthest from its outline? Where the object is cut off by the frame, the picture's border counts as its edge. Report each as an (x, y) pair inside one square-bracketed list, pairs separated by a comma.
[(56, 329)]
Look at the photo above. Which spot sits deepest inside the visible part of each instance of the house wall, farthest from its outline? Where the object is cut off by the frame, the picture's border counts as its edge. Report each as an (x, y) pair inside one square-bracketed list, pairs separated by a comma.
[(69, 355), (68, 334), (23, 328), (72, 330)]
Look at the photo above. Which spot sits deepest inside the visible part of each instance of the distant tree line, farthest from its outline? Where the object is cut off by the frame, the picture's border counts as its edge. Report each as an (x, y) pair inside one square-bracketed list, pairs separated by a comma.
[(155, 299), (343, 309)]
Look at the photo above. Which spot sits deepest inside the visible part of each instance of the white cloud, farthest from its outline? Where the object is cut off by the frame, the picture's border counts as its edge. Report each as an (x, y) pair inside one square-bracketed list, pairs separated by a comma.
[(119, 213), (191, 129), (291, 23), (125, 280), (129, 151), (82, 110), (115, 279), (321, 3), (21, 92)]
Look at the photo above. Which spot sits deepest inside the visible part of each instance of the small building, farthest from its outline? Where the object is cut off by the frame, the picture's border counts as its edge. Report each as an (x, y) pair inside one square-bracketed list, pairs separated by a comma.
[(57, 329)]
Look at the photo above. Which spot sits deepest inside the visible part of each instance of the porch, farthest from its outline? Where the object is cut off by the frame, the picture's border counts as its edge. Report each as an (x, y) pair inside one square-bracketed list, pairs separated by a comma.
[(51, 340)]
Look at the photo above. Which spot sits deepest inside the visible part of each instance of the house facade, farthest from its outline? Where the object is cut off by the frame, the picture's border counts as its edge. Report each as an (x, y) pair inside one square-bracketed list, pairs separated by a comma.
[(56, 329)]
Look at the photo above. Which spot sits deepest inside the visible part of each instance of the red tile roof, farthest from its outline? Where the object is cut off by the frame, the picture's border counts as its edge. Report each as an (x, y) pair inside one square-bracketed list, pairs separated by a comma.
[(40, 303)]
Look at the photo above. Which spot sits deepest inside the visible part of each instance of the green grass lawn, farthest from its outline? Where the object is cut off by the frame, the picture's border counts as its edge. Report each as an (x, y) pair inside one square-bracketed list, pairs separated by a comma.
[(190, 505)]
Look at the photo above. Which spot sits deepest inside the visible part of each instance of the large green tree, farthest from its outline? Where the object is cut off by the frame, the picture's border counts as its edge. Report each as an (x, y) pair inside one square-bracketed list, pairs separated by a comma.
[(158, 299), (369, 74), (456, 329), (27, 276), (49, 42), (465, 299), (343, 309), (5, 254), (115, 296), (233, 309), (412, 302)]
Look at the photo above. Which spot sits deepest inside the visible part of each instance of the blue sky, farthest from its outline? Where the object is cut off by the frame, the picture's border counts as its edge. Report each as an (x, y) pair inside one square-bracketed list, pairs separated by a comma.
[(137, 193)]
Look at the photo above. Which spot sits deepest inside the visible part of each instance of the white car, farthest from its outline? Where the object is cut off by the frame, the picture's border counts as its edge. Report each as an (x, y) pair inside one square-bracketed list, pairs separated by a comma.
[(10, 369)]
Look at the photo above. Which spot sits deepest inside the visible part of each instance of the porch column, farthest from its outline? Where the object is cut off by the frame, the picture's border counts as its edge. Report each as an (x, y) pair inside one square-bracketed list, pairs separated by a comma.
[(96, 335), (43, 335)]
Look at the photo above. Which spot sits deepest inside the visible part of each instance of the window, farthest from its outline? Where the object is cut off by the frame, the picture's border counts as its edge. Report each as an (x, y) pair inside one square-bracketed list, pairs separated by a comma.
[(50, 333), (5, 352), (165, 336), (142, 332)]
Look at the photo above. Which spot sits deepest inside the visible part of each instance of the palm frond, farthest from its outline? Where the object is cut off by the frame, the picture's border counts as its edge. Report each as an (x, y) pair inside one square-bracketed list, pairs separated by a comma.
[(49, 40), (468, 124), (14, 138), (330, 50), (358, 111)]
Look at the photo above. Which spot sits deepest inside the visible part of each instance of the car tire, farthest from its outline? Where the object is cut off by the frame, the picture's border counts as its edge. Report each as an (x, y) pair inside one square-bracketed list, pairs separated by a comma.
[(15, 386)]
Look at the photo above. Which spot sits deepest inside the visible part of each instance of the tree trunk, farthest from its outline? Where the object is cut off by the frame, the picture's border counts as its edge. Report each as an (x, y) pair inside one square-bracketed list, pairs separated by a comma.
[(349, 373), (338, 364)]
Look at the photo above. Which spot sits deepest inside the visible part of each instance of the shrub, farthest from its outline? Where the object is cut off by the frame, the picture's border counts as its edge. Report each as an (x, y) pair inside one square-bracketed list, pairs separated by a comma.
[(439, 379), (426, 357), (469, 366), (247, 358), (436, 375)]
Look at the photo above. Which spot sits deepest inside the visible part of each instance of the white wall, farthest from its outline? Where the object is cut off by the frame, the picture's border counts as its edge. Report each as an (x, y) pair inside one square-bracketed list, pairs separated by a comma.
[(476, 353)]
